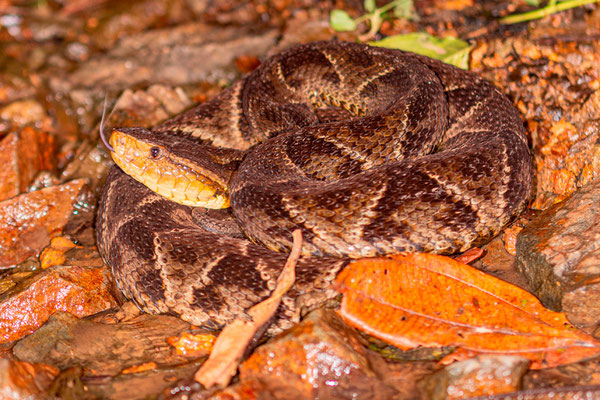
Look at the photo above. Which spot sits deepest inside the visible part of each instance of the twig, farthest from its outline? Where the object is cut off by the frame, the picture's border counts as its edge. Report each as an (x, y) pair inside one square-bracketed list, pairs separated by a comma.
[(551, 8)]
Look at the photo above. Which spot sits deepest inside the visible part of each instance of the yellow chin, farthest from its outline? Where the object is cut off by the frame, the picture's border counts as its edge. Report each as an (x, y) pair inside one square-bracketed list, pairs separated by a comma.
[(176, 182)]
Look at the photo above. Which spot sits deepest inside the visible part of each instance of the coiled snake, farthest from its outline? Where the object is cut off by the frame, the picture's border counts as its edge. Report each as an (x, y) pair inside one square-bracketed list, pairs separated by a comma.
[(368, 151)]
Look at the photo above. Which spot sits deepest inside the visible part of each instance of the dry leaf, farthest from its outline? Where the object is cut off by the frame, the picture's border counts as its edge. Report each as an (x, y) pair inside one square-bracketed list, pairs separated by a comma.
[(509, 237), (426, 300), (147, 366), (469, 256), (233, 340), (54, 254), (188, 344)]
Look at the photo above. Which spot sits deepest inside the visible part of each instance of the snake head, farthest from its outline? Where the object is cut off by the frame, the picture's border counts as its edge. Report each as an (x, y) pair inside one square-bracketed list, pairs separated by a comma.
[(176, 166)]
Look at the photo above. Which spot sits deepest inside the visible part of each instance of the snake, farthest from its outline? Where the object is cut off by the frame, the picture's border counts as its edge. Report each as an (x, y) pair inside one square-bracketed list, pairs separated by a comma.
[(368, 151)]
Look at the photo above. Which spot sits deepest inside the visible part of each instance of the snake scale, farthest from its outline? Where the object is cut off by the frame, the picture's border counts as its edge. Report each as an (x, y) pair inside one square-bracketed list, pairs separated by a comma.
[(369, 151)]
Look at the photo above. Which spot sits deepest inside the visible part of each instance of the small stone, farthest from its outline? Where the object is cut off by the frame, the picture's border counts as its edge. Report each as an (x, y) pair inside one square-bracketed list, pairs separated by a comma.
[(479, 376), (23, 154), (23, 112), (104, 349)]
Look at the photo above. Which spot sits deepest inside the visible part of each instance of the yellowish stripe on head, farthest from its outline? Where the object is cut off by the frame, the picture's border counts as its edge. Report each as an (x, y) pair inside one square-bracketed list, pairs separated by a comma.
[(166, 174)]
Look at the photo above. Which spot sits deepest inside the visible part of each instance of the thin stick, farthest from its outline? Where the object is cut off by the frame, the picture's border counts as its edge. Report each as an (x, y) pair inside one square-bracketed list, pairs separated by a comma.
[(551, 8)]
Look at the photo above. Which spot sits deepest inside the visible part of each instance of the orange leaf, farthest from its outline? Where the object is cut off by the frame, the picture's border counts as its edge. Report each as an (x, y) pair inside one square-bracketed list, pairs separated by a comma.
[(188, 344), (469, 256), (426, 300), (148, 366), (54, 254)]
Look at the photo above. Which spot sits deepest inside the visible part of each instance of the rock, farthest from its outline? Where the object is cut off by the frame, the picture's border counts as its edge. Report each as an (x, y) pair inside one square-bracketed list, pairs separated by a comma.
[(90, 162), (107, 358), (132, 17), (319, 358), (29, 221), (22, 380), (147, 108), (23, 112), (477, 376), (14, 84), (176, 56), (23, 154), (499, 258), (29, 303), (142, 385), (499, 263), (559, 256), (105, 349), (583, 373)]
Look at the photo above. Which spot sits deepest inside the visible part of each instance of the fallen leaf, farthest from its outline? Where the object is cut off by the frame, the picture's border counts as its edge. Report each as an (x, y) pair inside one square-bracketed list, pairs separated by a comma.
[(233, 340), (54, 254), (191, 345), (469, 256), (427, 300), (450, 50), (509, 237), (140, 368), (66, 341), (246, 63)]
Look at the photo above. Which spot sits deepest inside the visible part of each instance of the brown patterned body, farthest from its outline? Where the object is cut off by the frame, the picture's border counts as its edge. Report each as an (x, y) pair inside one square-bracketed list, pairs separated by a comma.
[(369, 151)]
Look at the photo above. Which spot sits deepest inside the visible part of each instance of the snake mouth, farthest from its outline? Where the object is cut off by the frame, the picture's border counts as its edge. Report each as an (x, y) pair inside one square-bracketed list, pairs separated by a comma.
[(165, 174)]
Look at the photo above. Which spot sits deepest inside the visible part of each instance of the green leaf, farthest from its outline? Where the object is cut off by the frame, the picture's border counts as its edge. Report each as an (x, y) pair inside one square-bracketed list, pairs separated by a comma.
[(369, 5), (533, 2), (406, 9), (449, 49), (341, 21)]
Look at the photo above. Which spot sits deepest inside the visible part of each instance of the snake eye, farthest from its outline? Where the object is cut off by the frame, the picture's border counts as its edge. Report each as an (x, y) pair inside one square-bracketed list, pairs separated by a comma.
[(154, 152)]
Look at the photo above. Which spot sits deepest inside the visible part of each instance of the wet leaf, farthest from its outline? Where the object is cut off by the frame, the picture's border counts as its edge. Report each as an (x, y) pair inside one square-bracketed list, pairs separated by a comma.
[(451, 50), (55, 253), (107, 348), (188, 344), (426, 300), (148, 366), (469, 256), (406, 9), (341, 21)]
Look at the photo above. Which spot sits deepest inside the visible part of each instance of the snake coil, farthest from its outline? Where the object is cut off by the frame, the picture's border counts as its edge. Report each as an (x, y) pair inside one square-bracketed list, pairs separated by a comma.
[(368, 151)]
